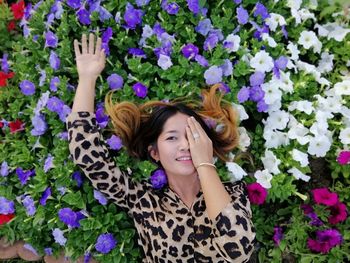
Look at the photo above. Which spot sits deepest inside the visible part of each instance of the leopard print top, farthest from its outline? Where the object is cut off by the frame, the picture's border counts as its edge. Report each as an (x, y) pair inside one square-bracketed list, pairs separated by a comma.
[(168, 231)]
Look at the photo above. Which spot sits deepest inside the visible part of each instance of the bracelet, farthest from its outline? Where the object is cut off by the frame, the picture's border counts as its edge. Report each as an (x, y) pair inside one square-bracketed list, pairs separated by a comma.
[(206, 164)]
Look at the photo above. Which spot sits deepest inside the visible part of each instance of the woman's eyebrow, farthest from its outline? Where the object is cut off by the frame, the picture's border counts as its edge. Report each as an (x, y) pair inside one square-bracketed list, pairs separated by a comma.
[(171, 131)]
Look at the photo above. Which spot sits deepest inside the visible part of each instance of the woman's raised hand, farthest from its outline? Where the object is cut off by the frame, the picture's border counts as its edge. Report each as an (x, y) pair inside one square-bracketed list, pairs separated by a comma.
[(91, 59)]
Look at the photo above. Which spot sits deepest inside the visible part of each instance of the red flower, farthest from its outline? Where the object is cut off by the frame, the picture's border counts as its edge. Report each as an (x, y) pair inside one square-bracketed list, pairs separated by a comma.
[(256, 193), (324, 196), (1, 124), (16, 126), (18, 10), (338, 213), (4, 77), (6, 218), (11, 26)]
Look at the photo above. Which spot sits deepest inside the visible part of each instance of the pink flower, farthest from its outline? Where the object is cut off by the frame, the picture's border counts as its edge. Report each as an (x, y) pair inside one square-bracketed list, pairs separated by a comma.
[(324, 196), (344, 157), (256, 193), (338, 213), (277, 235), (325, 241)]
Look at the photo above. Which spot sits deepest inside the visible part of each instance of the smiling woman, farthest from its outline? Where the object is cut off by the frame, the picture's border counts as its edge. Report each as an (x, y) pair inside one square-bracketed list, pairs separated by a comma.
[(194, 217)]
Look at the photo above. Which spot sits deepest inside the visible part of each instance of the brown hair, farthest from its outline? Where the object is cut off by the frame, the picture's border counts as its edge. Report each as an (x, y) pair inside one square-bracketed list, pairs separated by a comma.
[(139, 126)]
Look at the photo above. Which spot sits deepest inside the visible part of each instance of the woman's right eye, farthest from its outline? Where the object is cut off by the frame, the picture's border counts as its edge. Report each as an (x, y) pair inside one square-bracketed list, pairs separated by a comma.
[(171, 138)]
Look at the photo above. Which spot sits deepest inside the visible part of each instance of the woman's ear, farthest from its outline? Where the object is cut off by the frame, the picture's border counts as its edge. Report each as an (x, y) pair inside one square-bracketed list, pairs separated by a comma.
[(153, 152)]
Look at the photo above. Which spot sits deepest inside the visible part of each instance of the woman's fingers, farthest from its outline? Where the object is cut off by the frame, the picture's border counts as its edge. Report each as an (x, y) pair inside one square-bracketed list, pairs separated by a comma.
[(83, 44), (76, 48), (91, 43), (98, 46)]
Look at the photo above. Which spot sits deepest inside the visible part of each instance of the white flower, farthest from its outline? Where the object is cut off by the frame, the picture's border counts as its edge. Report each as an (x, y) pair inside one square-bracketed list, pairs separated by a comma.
[(293, 50), (262, 61), (271, 162), (277, 120), (298, 174), (264, 178), (270, 41), (284, 82), (272, 92), (244, 139), (302, 105), (274, 20), (274, 139), (342, 88), (329, 104), (326, 63), (309, 39), (164, 62), (306, 14), (236, 171), (322, 31), (241, 111), (295, 4), (344, 136), (234, 41), (332, 30), (300, 157), (298, 131), (319, 146)]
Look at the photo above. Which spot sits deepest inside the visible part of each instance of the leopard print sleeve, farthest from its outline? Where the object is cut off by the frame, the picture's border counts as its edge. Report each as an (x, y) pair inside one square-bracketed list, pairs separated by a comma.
[(233, 229), (88, 150)]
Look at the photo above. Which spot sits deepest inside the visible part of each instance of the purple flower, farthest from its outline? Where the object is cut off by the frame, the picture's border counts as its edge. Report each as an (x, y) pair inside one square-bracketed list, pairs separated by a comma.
[(237, 1), (115, 81), (315, 221), (63, 113), (100, 197), (213, 75), (63, 136), (224, 88), (115, 143), (62, 190), (257, 78), (284, 31), (210, 42), (256, 93), (27, 11), (193, 5), (75, 4), (243, 94), (48, 163), (172, 8), (132, 16), (137, 52), (54, 104), (227, 68), (6, 206), (59, 237), (69, 217), (158, 30), (50, 39), (39, 124), (24, 176), (164, 62), (204, 26), (4, 63), (78, 178), (27, 87), (107, 35), (201, 60), (189, 51), (242, 15), (277, 235), (262, 106), (158, 179), (30, 248), (42, 77), (4, 169), (48, 251), (281, 62), (28, 203), (94, 5), (87, 257), (54, 61), (45, 196), (50, 19), (105, 243), (84, 16), (140, 3), (140, 90), (261, 10), (57, 9), (104, 14), (101, 118), (54, 83)]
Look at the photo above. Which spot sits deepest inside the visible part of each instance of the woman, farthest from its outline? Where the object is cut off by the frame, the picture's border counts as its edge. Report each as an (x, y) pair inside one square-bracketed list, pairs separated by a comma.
[(195, 218)]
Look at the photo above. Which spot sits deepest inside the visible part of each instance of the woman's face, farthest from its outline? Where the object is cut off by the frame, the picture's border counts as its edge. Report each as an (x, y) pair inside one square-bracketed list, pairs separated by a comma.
[(173, 148)]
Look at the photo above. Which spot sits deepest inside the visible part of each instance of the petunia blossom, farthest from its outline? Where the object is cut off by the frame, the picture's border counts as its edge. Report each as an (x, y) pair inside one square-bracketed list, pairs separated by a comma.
[(256, 193), (324, 196), (105, 243)]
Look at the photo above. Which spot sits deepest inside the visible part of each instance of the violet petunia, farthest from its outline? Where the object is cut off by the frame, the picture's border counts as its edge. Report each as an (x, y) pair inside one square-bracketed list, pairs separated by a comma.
[(101, 118), (158, 179), (55, 104), (140, 3), (6, 206), (69, 217), (39, 125), (213, 75), (27, 87), (227, 68), (243, 94), (172, 8), (75, 4), (59, 237), (105, 243), (132, 16), (201, 60), (257, 78), (4, 169), (104, 14), (24, 176), (46, 194), (261, 10), (204, 26), (100, 197), (48, 163), (84, 16), (51, 39), (256, 93), (54, 60), (28, 203), (115, 81), (193, 5), (114, 142), (277, 235), (137, 52), (4, 63), (54, 83), (140, 90), (262, 106), (78, 178), (242, 15)]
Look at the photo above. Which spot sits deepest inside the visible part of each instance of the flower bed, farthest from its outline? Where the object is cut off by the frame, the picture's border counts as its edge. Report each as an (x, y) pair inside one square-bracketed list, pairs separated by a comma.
[(284, 65)]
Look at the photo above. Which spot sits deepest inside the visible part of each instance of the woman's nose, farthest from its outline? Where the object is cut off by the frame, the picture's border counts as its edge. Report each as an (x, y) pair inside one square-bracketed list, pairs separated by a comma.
[(184, 145)]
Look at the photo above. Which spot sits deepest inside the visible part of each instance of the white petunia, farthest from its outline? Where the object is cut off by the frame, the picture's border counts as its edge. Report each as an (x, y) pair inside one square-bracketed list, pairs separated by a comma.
[(164, 62), (275, 106), (298, 174), (295, 4), (344, 136), (319, 146), (264, 178), (244, 139), (271, 162), (241, 111), (236, 171), (293, 50), (300, 157), (274, 139), (342, 88), (306, 14), (262, 62), (284, 82), (326, 63), (298, 132), (232, 43), (270, 41), (277, 120), (332, 30), (329, 104), (274, 20), (309, 39), (302, 105), (272, 92)]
